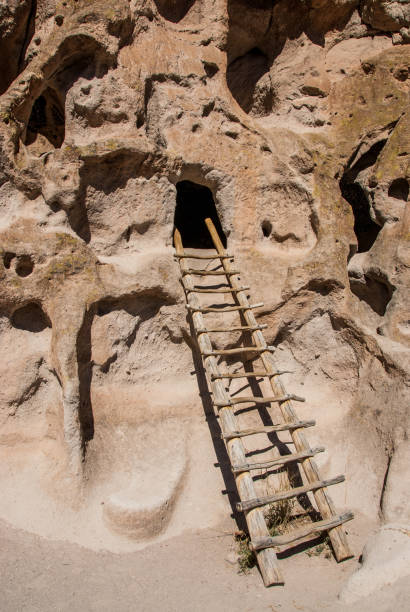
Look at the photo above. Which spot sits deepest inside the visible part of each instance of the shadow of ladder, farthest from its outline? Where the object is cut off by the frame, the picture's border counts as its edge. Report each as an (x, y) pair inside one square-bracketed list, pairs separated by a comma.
[(261, 542)]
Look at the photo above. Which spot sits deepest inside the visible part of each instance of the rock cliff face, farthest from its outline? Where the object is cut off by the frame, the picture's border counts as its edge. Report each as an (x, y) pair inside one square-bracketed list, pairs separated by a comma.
[(294, 114)]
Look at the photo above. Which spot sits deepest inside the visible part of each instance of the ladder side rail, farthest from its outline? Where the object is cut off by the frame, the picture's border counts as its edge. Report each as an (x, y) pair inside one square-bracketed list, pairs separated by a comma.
[(255, 519), (322, 498)]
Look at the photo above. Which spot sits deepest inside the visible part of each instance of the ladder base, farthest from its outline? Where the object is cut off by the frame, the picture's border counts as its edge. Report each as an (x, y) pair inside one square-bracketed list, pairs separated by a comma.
[(261, 540), (314, 528)]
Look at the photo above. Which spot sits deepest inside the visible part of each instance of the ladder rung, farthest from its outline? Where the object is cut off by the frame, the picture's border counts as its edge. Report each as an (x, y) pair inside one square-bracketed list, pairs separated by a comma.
[(232, 329), (223, 290), (247, 467), (224, 308), (271, 499), (268, 429), (249, 374), (299, 534), (216, 256), (209, 272), (241, 349), (261, 400)]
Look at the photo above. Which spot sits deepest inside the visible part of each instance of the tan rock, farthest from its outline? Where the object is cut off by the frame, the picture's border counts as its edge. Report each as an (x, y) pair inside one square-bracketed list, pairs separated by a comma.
[(385, 560), (296, 120)]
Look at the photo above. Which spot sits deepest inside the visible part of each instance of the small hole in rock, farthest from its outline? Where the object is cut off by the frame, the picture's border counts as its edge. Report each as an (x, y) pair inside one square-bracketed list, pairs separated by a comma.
[(266, 228), (208, 108), (399, 189), (24, 265), (7, 259), (30, 318), (210, 69)]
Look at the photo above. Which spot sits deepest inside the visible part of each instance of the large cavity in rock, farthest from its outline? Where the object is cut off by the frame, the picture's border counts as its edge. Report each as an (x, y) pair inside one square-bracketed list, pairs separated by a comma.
[(365, 227), (195, 203), (46, 126), (118, 125), (174, 10), (30, 318), (250, 83), (399, 189)]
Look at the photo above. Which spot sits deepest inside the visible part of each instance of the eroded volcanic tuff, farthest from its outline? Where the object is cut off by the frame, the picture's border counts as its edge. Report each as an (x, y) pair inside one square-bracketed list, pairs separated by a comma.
[(291, 119)]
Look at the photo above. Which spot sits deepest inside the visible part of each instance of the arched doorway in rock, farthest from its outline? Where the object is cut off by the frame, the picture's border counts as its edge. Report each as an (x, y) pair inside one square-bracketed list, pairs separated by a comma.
[(194, 204)]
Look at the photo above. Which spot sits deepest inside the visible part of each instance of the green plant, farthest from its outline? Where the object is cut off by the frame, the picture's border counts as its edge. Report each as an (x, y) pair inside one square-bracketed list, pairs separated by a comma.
[(246, 558)]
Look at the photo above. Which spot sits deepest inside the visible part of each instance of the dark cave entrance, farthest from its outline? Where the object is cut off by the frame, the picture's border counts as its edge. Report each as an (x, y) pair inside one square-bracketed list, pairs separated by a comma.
[(30, 317), (174, 10), (194, 204), (365, 228), (243, 79), (46, 126), (399, 189), (369, 286)]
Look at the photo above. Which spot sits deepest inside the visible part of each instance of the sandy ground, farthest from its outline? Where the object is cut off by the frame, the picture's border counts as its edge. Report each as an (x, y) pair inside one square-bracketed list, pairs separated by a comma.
[(190, 572)]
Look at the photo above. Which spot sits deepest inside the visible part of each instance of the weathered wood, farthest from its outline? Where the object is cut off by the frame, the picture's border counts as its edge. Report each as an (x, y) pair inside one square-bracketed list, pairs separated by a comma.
[(299, 534), (267, 429), (323, 501), (254, 374), (270, 499), (223, 308), (238, 351), (231, 329), (282, 460), (192, 256), (219, 290), (194, 272), (255, 519), (264, 400)]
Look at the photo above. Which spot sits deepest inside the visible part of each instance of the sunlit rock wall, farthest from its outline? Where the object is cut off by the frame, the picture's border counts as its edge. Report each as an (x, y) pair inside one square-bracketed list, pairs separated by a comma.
[(295, 115)]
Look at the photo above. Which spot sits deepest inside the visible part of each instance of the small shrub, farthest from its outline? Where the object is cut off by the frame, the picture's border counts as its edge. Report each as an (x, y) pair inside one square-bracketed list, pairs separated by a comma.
[(246, 559), (278, 516)]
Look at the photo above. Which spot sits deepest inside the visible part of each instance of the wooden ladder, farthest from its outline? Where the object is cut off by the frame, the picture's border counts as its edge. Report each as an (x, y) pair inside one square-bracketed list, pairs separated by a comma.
[(261, 542)]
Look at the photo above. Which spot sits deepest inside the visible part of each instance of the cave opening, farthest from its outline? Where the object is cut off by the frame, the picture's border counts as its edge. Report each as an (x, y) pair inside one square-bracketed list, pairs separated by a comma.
[(248, 80), (173, 10), (266, 228), (375, 291), (194, 204), (399, 189), (46, 125), (369, 285), (30, 317), (24, 265), (365, 228)]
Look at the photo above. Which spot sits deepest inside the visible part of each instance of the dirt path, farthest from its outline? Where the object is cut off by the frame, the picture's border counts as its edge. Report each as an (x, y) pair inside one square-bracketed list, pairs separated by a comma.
[(187, 573)]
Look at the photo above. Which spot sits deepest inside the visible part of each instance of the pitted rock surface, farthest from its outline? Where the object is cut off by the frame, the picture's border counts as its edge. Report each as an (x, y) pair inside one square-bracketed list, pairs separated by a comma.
[(295, 117)]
